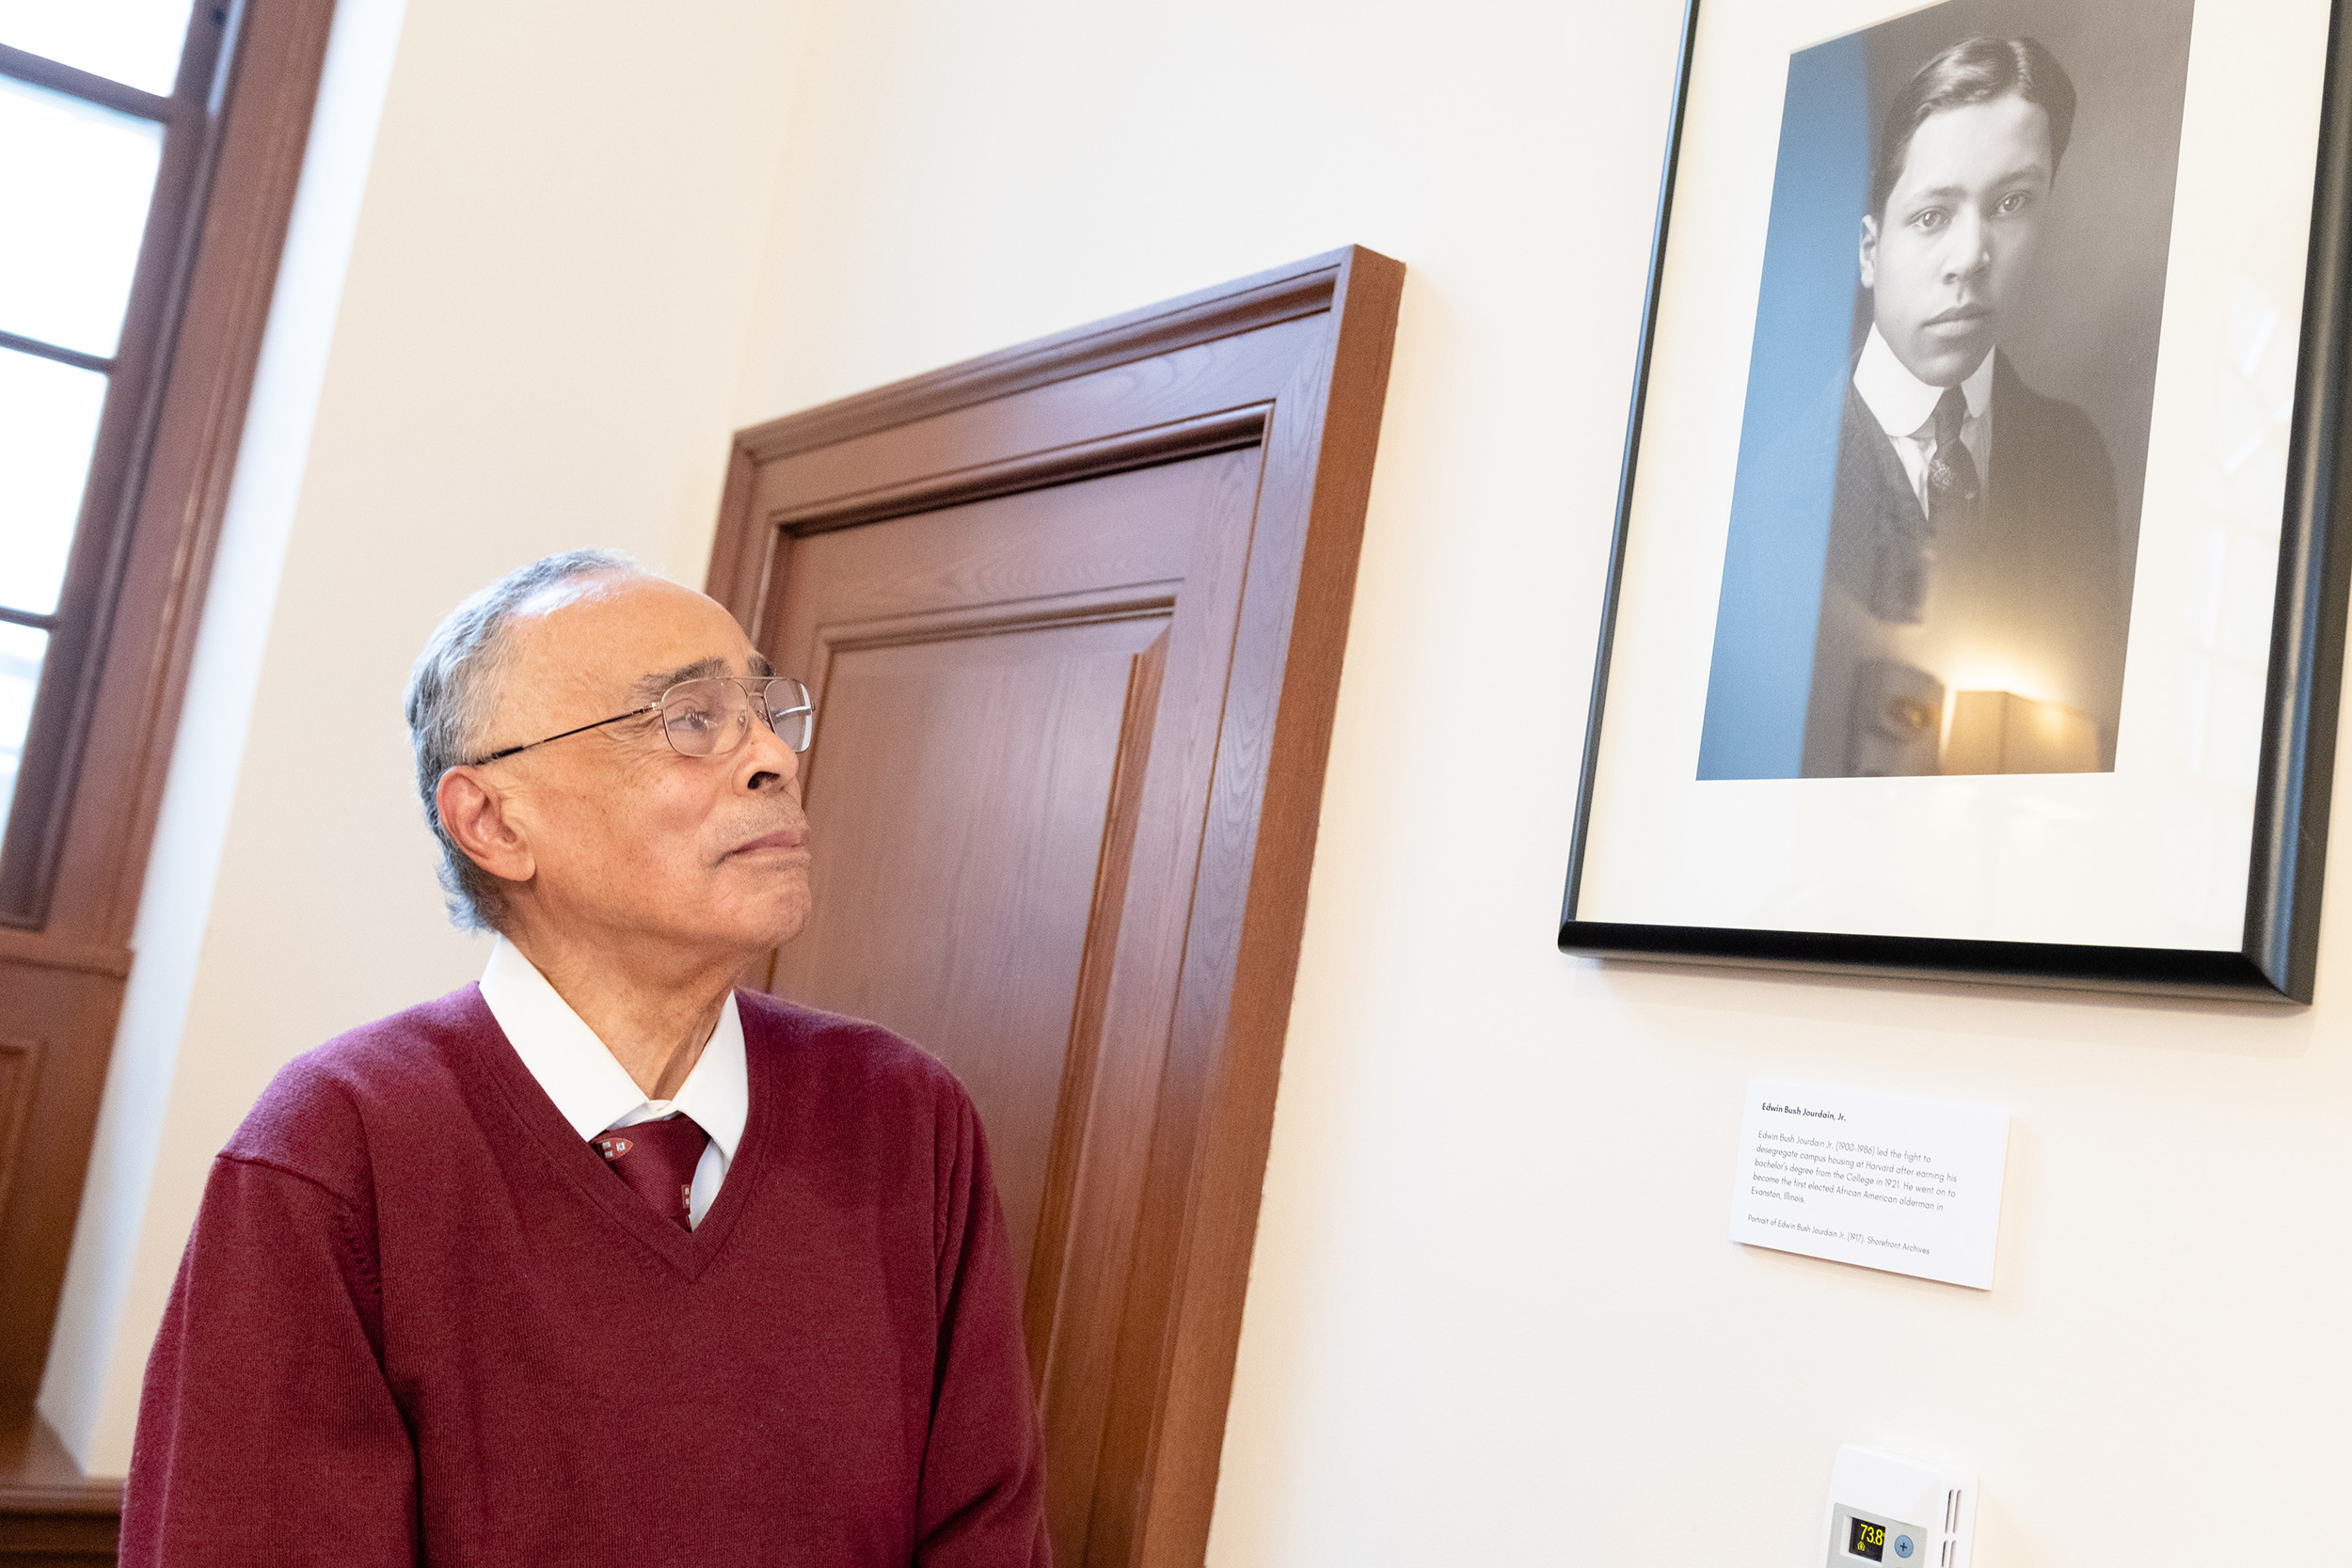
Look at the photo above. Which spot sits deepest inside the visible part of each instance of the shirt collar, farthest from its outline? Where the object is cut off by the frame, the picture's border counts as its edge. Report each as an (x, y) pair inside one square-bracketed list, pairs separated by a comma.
[(1901, 403), (590, 1088)]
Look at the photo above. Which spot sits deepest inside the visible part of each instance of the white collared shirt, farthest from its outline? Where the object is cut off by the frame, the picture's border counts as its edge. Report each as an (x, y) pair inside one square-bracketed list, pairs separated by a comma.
[(594, 1093), (1905, 406)]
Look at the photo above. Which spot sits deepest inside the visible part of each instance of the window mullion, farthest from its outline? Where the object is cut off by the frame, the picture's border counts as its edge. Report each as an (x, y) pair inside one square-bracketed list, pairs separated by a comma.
[(45, 73), (51, 351)]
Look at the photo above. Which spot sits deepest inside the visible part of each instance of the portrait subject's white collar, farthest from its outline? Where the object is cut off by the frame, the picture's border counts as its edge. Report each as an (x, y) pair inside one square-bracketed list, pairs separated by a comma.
[(1901, 403), (591, 1089)]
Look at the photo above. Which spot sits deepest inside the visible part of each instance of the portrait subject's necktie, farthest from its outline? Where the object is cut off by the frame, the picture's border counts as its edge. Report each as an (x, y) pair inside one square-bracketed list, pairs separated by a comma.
[(1951, 472), (657, 1159)]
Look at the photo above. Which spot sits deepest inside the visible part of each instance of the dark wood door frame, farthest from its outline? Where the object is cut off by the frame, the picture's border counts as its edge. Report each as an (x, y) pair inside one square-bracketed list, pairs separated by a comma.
[(1161, 1375)]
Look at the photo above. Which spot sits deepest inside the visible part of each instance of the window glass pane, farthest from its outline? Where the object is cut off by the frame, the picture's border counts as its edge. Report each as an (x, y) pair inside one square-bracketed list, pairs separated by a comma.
[(136, 42), (21, 650), (74, 183), (48, 422)]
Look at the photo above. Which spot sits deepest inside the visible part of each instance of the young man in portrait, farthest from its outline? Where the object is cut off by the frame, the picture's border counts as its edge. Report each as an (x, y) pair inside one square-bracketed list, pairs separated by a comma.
[(1973, 541)]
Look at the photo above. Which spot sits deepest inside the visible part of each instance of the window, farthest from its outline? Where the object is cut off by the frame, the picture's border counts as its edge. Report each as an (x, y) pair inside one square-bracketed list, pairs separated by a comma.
[(107, 118), (150, 152)]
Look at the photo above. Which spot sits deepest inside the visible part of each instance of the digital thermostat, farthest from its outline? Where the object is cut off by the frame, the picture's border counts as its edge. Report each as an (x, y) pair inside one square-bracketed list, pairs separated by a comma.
[(1898, 1512)]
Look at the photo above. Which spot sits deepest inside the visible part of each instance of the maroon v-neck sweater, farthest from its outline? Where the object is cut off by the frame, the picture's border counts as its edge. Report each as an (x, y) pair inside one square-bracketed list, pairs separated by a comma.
[(420, 1321)]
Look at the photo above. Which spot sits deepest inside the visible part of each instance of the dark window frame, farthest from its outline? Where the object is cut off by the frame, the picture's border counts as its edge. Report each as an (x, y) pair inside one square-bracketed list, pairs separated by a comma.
[(192, 117), (61, 982)]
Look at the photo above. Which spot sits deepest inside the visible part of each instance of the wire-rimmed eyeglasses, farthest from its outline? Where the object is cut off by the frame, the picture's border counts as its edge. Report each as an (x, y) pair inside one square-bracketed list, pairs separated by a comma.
[(712, 716)]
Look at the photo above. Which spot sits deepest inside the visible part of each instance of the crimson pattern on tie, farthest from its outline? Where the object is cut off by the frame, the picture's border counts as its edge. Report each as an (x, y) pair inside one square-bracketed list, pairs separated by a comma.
[(657, 1159)]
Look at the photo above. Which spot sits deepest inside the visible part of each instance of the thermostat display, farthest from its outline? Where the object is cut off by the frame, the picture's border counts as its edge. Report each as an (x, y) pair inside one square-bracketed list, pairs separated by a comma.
[(1896, 1513)]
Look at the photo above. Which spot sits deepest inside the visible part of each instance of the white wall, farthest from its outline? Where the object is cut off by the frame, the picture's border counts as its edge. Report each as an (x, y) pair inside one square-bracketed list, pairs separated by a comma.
[(1493, 1316), (535, 347)]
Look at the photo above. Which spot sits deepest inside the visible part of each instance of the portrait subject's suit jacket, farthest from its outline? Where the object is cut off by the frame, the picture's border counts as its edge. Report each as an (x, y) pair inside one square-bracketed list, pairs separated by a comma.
[(2033, 591)]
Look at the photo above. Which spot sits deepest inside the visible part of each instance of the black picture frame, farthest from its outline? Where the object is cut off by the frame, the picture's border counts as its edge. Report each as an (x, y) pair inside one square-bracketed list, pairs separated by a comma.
[(2277, 959)]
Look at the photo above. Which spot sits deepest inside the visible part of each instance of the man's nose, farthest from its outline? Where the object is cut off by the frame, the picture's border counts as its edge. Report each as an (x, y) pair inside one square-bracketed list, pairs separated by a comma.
[(1968, 249), (765, 762)]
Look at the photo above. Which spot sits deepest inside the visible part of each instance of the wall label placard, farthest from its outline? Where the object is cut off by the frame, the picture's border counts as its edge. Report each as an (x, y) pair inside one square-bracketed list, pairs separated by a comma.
[(1886, 1182)]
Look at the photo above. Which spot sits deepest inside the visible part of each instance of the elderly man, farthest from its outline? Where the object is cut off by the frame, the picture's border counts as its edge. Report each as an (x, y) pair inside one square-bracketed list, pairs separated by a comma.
[(600, 1260)]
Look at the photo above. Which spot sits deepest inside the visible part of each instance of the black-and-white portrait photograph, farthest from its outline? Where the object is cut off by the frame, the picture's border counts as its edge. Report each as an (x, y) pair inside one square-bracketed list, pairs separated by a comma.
[(1934, 520), (1971, 605)]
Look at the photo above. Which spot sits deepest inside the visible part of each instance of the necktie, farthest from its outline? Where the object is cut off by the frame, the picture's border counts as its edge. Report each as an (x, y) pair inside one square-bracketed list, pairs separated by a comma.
[(657, 1159), (1951, 472)]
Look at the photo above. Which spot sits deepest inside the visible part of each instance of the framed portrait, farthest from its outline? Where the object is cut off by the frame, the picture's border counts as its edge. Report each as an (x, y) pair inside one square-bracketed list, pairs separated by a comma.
[(1977, 599)]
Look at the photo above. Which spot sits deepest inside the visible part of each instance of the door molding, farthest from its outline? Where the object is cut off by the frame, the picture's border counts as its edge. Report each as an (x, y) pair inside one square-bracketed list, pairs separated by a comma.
[(1111, 454), (1162, 1373)]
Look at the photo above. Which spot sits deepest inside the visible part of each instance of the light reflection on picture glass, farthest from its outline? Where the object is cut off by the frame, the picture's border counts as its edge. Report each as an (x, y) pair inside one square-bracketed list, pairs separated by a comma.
[(79, 177), (2221, 621), (136, 42), (48, 420), (21, 651)]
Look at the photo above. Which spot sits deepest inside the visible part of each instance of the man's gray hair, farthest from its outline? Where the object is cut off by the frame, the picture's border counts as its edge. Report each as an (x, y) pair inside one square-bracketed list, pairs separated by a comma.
[(452, 691)]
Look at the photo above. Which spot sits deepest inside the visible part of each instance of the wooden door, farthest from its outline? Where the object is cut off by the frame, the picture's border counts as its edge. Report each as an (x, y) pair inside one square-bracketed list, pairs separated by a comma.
[(1072, 617)]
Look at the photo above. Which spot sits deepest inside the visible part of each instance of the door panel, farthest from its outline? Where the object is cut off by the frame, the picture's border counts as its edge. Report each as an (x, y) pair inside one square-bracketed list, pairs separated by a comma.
[(959, 808), (1008, 553), (1072, 617), (981, 673)]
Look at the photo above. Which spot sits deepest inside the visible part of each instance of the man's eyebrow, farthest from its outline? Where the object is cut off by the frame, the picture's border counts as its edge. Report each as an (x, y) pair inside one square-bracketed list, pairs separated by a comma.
[(1952, 193), (651, 686), (760, 665)]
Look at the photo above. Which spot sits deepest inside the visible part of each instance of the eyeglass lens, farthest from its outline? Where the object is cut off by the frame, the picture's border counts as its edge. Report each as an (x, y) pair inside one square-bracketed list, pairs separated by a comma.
[(708, 718)]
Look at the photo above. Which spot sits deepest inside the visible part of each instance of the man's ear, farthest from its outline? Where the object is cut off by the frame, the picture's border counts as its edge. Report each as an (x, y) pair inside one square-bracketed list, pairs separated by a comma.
[(474, 812), (1869, 252)]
